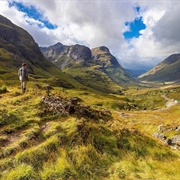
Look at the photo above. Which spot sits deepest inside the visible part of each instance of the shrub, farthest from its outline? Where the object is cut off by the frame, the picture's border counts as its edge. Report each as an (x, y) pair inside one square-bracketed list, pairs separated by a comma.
[(3, 89)]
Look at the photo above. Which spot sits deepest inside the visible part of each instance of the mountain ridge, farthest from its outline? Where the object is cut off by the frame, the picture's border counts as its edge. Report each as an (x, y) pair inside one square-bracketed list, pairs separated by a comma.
[(18, 46), (166, 71), (91, 67)]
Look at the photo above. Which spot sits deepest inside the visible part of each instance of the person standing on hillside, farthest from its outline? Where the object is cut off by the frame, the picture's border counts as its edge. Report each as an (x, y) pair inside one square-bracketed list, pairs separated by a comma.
[(23, 77)]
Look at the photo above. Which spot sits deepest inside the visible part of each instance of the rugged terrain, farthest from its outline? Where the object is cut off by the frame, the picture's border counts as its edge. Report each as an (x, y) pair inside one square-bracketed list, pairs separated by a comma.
[(96, 68), (80, 134), (62, 129), (18, 46), (166, 71)]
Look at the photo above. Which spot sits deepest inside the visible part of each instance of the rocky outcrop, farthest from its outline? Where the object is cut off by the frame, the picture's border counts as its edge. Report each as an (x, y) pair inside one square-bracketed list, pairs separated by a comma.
[(174, 141), (102, 56), (67, 56), (70, 106), (80, 52)]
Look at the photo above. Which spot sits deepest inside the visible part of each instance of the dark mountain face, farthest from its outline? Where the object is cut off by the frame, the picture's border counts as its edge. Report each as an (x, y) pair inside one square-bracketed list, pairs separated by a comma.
[(67, 56), (167, 70), (96, 68), (102, 56), (172, 59), (17, 46), (80, 52)]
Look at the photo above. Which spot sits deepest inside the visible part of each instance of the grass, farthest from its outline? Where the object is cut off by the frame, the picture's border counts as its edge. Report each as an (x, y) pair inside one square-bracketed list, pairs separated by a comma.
[(53, 147)]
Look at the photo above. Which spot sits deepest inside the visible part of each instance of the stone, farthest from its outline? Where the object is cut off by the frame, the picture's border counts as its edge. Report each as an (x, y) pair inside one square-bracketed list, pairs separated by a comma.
[(65, 106), (161, 128), (160, 136)]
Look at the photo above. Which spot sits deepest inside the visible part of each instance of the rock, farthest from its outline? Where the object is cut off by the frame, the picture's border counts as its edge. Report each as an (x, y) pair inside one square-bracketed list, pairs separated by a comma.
[(80, 52), (70, 106), (160, 136), (169, 142), (161, 128), (178, 128), (174, 142)]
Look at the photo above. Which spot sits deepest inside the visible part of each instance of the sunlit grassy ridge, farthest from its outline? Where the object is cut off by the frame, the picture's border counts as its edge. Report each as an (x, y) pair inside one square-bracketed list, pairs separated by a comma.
[(53, 147)]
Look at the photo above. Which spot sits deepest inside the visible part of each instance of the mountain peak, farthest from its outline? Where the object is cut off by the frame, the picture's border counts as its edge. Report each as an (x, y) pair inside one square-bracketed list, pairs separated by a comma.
[(94, 68), (104, 48), (80, 52), (58, 45), (103, 56), (172, 59)]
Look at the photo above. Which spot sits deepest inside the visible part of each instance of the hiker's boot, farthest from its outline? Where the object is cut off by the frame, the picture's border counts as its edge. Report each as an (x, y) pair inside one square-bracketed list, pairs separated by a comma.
[(24, 90)]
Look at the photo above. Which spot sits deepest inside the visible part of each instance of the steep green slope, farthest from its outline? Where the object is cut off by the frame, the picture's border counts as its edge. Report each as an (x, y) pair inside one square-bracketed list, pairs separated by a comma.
[(17, 46), (167, 70), (111, 67)]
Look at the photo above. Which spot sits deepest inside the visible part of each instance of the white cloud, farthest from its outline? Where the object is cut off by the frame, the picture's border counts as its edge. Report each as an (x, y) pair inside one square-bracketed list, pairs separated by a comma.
[(156, 42), (96, 23)]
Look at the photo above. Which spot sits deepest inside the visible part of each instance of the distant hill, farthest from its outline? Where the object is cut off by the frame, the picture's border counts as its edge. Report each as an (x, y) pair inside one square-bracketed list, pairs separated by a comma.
[(17, 46), (96, 68), (166, 71), (136, 73)]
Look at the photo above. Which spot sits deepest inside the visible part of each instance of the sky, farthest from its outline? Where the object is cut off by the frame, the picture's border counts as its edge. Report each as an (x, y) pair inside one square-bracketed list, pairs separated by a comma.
[(139, 33)]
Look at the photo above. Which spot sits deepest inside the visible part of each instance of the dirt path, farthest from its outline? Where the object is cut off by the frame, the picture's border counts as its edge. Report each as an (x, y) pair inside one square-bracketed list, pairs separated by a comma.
[(169, 102)]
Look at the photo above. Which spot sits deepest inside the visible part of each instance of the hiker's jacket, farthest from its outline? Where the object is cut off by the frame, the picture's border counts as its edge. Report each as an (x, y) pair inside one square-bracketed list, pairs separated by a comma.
[(23, 74)]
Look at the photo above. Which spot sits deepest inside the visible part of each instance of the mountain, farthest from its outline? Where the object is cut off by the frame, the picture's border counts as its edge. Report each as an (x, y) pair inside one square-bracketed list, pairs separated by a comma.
[(96, 68), (67, 56), (135, 73), (18, 46), (167, 70)]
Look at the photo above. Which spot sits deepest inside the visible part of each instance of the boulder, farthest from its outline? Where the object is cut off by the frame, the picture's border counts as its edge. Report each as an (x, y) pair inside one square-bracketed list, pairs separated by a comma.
[(160, 136)]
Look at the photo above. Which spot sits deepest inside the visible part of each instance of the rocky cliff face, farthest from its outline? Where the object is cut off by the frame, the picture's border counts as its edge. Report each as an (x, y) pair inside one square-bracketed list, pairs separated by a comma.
[(167, 70), (67, 56), (102, 56), (17, 46)]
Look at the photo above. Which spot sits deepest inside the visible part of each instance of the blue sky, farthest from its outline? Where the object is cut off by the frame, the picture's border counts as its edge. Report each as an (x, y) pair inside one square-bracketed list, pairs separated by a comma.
[(32, 12), (135, 27)]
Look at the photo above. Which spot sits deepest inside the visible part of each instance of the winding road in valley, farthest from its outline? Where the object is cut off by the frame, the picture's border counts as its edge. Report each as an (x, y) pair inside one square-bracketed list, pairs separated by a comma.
[(169, 102)]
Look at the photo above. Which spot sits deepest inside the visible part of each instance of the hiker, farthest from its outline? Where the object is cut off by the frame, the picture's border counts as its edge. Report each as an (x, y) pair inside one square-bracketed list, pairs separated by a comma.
[(23, 77)]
